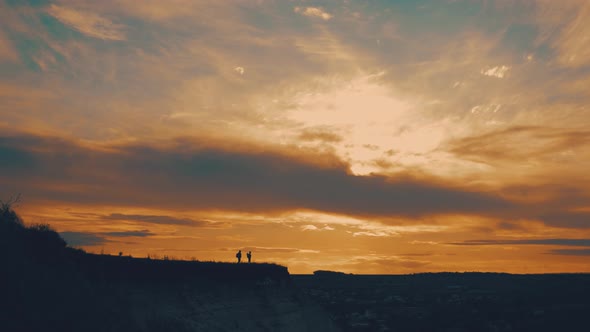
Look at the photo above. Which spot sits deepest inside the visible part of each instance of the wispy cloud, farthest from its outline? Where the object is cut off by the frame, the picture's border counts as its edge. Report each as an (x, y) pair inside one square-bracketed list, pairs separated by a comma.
[(570, 252), (142, 233), (498, 72), (320, 134), (7, 50), (82, 239), (89, 239), (274, 250), (527, 142), (153, 219), (375, 233), (316, 228), (313, 12), (548, 242), (88, 23), (570, 23), (380, 230)]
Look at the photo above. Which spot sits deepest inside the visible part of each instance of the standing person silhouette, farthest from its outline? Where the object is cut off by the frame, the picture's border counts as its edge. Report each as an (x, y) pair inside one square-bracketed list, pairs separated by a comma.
[(249, 255), (239, 256)]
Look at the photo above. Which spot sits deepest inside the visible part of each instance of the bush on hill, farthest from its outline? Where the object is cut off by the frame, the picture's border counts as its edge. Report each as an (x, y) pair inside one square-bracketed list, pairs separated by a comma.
[(9, 218), (37, 240)]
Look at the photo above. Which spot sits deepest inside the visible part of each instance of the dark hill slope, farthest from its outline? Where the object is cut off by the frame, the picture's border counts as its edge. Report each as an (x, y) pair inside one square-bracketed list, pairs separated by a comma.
[(47, 286)]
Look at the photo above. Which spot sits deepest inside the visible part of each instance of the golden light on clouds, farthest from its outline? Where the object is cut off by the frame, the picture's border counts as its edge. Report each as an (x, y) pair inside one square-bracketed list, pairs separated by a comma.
[(313, 12), (381, 137)]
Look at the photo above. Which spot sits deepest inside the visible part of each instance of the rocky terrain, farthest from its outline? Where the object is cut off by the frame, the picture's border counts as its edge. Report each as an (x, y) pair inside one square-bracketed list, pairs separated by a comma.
[(452, 301)]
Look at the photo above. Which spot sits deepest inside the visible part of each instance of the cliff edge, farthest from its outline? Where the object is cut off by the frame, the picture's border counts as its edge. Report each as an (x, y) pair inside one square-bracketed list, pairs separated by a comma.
[(46, 285)]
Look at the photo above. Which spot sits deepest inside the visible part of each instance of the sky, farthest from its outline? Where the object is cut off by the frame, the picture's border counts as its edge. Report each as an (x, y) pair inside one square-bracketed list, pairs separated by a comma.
[(368, 136)]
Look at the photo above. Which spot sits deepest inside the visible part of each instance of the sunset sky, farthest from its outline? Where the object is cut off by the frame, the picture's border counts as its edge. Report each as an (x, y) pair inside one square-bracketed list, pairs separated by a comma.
[(364, 136)]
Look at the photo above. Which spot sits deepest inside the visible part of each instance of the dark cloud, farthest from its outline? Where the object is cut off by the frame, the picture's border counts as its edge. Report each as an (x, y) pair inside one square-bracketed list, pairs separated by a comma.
[(570, 252), (566, 219), (512, 226), (551, 242), (154, 219), (76, 239), (187, 175), (79, 239)]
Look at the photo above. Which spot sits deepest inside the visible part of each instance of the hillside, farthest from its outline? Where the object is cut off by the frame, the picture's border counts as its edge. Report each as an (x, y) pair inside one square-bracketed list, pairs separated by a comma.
[(46, 285)]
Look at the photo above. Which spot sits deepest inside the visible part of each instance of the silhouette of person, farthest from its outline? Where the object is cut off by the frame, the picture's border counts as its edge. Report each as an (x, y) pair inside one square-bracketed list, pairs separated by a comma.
[(239, 255), (249, 255)]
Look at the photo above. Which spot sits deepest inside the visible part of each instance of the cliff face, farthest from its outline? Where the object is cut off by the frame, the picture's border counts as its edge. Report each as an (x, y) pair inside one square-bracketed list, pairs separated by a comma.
[(185, 307), (50, 300), (46, 286)]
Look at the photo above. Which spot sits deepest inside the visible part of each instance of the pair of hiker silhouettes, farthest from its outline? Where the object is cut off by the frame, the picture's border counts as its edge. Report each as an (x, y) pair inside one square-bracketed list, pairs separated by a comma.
[(239, 256)]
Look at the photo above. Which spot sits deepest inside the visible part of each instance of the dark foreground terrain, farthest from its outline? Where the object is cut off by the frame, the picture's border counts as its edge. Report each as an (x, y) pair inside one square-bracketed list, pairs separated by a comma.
[(47, 286), (452, 301)]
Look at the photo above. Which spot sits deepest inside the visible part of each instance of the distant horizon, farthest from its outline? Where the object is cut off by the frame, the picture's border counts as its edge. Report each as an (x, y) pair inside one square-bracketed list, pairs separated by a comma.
[(380, 137), (186, 259)]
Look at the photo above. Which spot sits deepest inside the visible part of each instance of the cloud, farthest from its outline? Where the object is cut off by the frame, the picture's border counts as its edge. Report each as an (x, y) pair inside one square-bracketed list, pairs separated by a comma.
[(274, 250), (142, 233), (570, 252), (315, 228), (375, 233), (239, 70), (380, 230), (548, 242), (154, 219), (570, 219), (583, 244), (525, 142), (309, 228), (498, 72), (82, 239), (566, 23), (313, 12), (7, 50), (88, 23), (319, 134), (372, 262), (189, 174), (88, 239)]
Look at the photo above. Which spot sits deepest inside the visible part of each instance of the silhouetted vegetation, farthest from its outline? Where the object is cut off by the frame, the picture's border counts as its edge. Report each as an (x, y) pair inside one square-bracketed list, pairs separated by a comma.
[(8, 216)]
